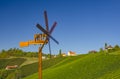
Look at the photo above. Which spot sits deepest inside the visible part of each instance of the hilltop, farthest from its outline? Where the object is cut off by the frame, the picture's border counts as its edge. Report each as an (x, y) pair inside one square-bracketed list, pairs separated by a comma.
[(102, 64), (89, 66)]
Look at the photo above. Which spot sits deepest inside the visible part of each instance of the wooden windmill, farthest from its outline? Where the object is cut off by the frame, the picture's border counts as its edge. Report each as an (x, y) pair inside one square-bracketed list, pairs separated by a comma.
[(41, 39)]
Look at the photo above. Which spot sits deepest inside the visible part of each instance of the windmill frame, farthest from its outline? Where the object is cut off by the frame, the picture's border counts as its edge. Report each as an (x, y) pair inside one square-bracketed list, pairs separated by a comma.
[(41, 39)]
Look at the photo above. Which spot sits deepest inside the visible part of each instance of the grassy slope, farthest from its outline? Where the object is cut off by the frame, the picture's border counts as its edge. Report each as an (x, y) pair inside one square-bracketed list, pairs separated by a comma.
[(33, 68), (28, 66), (11, 61), (29, 60), (92, 66)]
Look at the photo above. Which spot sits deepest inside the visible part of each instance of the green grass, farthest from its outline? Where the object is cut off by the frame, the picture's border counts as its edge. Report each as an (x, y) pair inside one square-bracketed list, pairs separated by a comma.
[(115, 74), (29, 60), (91, 66), (29, 69), (88, 66), (69, 60)]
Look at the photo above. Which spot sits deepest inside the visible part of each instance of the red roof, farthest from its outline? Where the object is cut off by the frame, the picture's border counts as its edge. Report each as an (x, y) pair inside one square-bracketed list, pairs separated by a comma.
[(109, 47), (72, 52)]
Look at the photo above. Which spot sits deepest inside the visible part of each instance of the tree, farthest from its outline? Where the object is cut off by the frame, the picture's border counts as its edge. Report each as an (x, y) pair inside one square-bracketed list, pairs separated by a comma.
[(116, 47), (60, 53), (101, 50), (4, 55), (3, 51), (3, 74), (14, 75), (17, 53), (105, 45), (11, 76)]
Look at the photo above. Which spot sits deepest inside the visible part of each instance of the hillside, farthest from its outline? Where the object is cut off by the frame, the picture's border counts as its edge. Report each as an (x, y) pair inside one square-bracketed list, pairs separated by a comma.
[(11, 61), (29, 69), (91, 66), (27, 66)]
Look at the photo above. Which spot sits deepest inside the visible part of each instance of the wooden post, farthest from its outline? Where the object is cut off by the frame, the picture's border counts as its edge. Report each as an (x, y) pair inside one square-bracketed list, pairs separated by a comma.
[(40, 59), (40, 62)]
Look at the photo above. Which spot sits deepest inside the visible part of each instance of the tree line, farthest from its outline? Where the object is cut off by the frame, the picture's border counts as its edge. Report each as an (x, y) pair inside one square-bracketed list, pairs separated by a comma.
[(107, 49), (16, 52)]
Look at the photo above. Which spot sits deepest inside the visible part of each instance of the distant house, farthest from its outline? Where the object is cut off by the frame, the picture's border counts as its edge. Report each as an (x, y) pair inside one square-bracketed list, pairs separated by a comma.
[(70, 53), (109, 47), (11, 67), (64, 54)]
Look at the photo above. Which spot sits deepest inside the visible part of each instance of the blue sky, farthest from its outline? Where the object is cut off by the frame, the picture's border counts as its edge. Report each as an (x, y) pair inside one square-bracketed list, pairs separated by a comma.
[(82, 25)]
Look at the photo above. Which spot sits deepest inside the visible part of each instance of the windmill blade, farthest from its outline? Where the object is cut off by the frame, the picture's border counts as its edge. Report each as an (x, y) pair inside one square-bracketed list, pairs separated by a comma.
[(49, 48), (44, 31), (46, 23), (46, 20), (47, 28), (52, 28)]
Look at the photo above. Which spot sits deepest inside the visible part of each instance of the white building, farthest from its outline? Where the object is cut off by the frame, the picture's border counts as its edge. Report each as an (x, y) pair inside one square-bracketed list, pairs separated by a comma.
[(70, 53)]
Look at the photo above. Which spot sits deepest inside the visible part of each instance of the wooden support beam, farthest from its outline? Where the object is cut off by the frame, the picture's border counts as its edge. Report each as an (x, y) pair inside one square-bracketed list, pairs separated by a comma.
[(40, 63), (40, 60)]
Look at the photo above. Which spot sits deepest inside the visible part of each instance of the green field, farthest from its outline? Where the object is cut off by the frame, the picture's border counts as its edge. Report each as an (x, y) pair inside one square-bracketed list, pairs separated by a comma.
[(29, 69), (89, 66), (86, 66), (27, 66)]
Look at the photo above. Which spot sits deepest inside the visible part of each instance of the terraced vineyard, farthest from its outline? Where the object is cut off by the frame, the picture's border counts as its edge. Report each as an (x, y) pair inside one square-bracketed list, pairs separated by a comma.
[(12, 61), (90, 66), (87, 66)]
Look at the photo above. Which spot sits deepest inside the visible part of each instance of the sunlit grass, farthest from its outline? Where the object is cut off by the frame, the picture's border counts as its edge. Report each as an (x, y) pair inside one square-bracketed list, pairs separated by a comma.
[(92, 66)]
